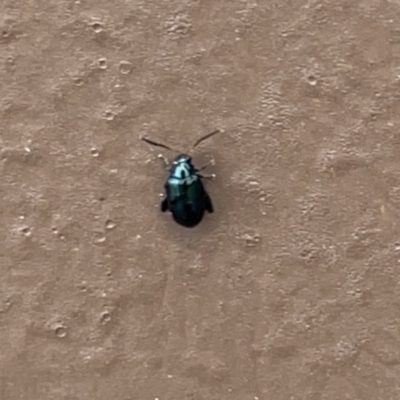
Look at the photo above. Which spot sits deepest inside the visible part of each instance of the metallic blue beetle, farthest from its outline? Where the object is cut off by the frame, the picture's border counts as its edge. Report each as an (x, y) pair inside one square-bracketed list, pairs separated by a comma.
[(185, 196)]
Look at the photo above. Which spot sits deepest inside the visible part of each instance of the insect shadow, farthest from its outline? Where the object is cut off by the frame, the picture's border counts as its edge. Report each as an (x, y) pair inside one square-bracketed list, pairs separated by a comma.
[(185, 196)]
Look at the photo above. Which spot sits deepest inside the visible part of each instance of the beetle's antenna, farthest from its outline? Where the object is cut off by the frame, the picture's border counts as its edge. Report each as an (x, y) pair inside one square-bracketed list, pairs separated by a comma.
[(206, 137), (156, 144)]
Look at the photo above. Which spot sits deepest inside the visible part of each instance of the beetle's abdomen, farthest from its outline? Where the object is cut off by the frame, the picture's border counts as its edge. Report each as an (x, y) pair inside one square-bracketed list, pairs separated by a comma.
[(186, 215), (186, 201)]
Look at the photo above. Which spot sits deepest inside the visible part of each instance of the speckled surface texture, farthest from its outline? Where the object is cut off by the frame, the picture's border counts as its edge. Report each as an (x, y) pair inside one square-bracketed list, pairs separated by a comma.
[(290, 291)]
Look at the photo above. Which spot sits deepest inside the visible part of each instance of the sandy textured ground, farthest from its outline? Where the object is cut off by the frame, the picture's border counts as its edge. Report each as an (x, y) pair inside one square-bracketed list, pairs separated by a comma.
[(290, 291)]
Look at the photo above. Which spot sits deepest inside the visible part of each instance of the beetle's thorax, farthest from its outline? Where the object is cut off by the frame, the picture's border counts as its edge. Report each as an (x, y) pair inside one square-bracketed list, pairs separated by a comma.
[(180, 158), (182, 171)]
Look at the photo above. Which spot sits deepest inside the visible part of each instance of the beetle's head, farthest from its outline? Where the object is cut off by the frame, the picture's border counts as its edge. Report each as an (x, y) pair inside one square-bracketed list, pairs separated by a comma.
[(182, 159)]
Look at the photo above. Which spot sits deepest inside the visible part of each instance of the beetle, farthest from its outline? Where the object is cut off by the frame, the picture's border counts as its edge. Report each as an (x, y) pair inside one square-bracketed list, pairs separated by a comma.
[(185, 195)]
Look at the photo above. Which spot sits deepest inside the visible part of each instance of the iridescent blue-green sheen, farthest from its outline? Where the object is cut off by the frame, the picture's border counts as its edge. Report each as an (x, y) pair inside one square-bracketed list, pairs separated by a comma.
[(185, 196)]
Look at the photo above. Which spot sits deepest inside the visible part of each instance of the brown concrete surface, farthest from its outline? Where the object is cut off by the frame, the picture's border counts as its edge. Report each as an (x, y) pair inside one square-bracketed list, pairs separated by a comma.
[(290, 291)]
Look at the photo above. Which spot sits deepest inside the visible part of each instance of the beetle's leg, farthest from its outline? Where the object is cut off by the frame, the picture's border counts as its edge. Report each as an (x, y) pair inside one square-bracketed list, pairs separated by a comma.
[(212, 162), (212, 176), (165, 160), (164, 205), (208, 204)]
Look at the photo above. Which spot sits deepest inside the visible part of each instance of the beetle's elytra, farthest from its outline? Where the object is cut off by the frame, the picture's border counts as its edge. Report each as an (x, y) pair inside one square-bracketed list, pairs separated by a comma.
[(185, 195)]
